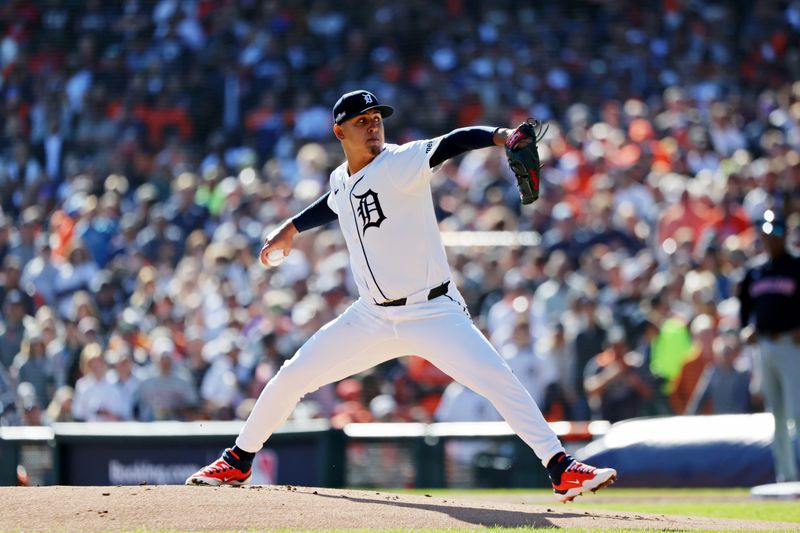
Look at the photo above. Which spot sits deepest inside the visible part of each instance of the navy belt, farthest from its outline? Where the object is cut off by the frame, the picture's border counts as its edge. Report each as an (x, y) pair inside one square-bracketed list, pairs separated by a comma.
[(435, 292)]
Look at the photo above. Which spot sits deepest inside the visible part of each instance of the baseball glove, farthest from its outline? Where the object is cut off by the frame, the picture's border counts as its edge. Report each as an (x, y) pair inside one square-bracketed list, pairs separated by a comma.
[(523, 158)]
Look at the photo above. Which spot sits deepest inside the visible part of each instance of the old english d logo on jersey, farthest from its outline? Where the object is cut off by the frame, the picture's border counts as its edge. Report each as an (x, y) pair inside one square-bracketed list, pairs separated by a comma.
[(369, 209)]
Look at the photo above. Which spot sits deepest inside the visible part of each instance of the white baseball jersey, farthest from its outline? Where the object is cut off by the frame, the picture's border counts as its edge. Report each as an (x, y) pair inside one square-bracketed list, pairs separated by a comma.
[(386, 213)]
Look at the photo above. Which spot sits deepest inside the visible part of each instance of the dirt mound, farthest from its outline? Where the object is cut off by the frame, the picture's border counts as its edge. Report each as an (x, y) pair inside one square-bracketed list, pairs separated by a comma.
[(162, 508)]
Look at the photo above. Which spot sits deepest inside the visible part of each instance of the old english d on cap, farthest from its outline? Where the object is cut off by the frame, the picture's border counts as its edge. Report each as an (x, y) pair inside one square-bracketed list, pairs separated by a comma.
[(357, 102)]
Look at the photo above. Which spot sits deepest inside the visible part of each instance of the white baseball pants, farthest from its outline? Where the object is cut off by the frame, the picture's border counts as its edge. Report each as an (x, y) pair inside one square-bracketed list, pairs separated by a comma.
[(366, 335), (780, 366)]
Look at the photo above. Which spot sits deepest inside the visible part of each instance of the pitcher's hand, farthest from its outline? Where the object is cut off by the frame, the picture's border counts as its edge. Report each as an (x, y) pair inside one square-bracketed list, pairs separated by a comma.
[(280, 238)]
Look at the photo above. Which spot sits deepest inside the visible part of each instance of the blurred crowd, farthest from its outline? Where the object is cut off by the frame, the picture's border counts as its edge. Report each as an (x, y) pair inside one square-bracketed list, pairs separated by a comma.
[(149, 145)]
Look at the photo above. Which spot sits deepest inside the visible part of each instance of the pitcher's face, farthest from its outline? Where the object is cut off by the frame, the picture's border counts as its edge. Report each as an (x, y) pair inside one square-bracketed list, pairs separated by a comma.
[(362, 133)]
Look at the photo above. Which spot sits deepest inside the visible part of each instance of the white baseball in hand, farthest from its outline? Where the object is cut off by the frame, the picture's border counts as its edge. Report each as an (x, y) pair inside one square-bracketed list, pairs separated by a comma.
[(275, 258)]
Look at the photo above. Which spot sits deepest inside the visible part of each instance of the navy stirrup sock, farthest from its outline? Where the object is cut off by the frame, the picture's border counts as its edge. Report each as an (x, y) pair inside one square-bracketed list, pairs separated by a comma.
[(239, 458), (556, 466)]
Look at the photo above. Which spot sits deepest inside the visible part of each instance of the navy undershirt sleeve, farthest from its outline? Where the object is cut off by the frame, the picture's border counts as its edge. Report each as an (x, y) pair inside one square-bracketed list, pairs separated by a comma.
[(315, 215), (462, 140)]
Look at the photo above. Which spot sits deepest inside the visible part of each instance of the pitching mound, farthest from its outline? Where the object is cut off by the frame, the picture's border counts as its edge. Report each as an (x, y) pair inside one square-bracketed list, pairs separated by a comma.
[(170, 508)]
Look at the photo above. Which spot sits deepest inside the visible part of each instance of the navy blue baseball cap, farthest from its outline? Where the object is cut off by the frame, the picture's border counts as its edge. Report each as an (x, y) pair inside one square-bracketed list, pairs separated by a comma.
[(355, 103)]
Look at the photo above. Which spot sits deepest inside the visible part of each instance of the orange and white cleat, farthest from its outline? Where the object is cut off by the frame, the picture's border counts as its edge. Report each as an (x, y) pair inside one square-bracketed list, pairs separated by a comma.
[(220, 472), (579, 478)]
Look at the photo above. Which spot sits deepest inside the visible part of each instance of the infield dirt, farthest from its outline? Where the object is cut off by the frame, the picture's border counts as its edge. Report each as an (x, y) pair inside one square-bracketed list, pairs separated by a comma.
[(181, 508)]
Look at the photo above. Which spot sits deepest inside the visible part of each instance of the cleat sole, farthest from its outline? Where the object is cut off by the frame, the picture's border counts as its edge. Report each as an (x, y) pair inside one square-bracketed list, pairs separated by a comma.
[(214, 482), (610, 481), (571, 494)]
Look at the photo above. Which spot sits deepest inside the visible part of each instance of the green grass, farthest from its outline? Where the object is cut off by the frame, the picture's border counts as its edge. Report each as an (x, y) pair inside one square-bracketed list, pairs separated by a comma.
[(773, 511), (713, 503)]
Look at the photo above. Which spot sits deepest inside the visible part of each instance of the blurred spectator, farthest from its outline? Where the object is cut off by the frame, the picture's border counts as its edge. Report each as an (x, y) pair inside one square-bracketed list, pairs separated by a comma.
[(551, 297), (462, 404), (383, 408), (500, 319), (12, 283), (715, 277), (125, 381), (686, 219), (160, 241), (67, 355), (5, 237), (40, 273), (25, 247), (732, 220), (617, 382), (28, 409), (98, 226), (352, 407), (21, 174), (166, 394), (95, 399), (605, 228), (89, 328), (74, 275), (590, 340), (536, 370), (219, 389), (32, 365), (8, 410), (701, 356), (196, 363), (625, 285), (52, 149), (106, 299), (565, 236), (13, 329), (185, 212), (724, 387), (558, 402), (669, 350), (422, 384), (164, 118), (60, 408)]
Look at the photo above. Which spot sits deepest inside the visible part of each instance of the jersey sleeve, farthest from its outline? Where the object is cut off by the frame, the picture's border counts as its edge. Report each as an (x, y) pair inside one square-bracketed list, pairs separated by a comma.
[(462, 140), (410, 166), (317, 214), (331, 202), (335, 184)]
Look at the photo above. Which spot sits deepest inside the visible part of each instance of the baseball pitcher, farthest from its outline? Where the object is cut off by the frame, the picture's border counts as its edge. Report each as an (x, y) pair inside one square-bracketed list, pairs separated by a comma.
[(407, 304)]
